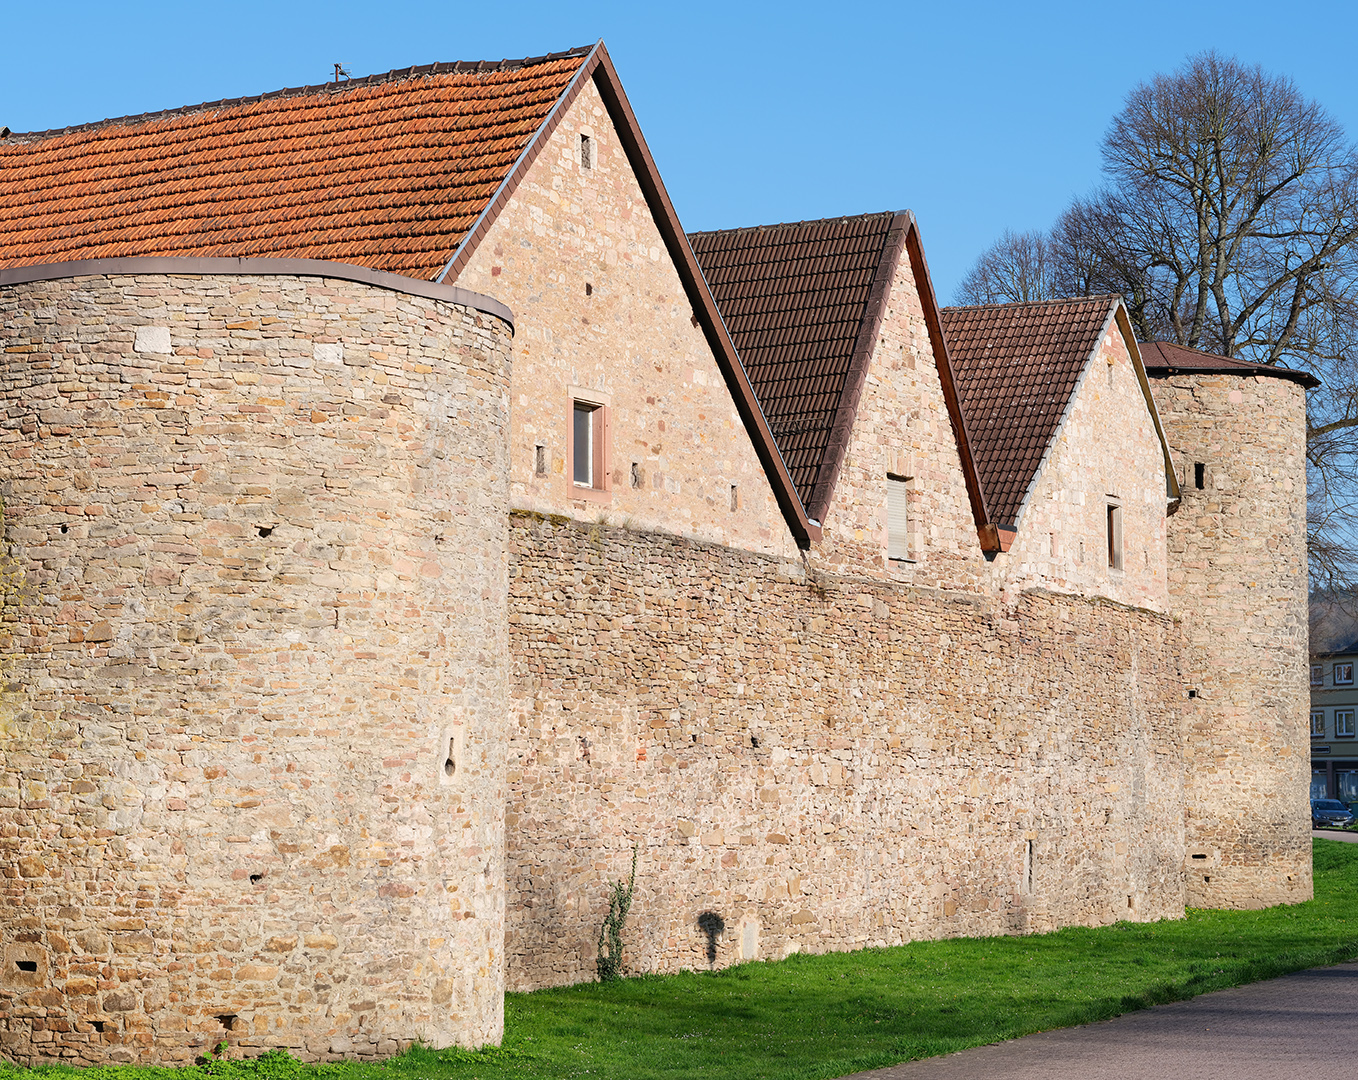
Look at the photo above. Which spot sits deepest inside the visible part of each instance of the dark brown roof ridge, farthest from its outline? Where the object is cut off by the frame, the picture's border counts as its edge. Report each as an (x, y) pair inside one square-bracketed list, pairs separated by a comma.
[(1216, 364), (455, 67), (1036, 303), (799, 224)]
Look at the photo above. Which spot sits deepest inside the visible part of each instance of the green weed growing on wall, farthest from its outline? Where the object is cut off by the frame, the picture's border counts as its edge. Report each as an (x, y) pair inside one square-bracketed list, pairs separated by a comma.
[(609, 962)]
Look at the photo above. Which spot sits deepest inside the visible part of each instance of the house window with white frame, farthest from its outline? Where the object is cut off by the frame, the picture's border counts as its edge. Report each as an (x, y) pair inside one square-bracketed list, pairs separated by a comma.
[(1343, 674), (1343, 723), (1317, 674), (1317, 723), (589, 441)]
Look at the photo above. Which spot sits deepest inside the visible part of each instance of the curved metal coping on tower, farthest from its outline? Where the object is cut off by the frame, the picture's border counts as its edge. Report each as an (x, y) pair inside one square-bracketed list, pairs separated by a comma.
[(156, 264)]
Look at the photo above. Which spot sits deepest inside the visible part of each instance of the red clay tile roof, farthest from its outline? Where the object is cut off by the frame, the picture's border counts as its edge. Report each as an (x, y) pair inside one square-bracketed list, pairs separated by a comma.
[(1016, 366), (1167, 358), (388, 172), (802, 302)]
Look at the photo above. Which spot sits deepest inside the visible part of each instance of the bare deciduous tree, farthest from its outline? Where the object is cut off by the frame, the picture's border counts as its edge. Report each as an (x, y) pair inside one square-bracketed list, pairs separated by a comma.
[(1229, 222), (1019, 268)]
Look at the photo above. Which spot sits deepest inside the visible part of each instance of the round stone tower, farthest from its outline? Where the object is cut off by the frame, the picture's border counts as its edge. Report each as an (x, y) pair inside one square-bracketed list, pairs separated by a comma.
[(1238, 581), (254, 650)]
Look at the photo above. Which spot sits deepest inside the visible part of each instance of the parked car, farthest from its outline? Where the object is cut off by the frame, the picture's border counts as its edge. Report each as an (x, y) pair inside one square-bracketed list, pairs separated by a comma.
[(1330, 814)]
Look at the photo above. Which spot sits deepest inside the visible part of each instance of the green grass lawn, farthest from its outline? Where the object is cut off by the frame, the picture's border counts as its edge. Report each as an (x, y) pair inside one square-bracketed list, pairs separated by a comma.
[(825, 1016)]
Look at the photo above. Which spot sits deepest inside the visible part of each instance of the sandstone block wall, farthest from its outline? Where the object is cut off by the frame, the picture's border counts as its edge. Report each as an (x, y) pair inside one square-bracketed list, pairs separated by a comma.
[(819, 763), (1238, 580), (251, 766), (600, 307), (1105, 451)]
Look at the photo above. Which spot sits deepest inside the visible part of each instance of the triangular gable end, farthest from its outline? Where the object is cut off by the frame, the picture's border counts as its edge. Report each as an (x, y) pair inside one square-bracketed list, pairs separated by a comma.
[(804, 302), (1117, 316), (599, 66)]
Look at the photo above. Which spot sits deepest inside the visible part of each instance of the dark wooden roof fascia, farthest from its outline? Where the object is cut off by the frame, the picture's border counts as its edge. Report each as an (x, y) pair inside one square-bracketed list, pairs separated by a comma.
[(1172, 492), (804, 530), (457, 263), (599, 65), (842, 428), (986, 530)]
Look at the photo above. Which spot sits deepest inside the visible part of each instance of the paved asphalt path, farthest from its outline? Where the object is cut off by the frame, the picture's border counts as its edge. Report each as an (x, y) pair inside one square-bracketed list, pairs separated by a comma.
[(1294, 1028), (1334, 834)]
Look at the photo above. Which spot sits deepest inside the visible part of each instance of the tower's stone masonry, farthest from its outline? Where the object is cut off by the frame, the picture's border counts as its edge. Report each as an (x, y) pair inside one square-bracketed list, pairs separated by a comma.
[(1237, 579), (823, 763), (251, 759)]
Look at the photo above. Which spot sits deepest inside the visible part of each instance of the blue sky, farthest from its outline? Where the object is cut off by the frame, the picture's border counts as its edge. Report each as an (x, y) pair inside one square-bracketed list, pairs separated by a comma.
[(978, 117)]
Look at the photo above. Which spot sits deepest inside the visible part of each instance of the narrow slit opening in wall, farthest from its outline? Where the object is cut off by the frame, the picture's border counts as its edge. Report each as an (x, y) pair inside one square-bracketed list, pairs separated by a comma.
[(1028, 867), (450, 762), (1199, 475), (586, 152), (636, 474), (735, 497), (589, 289), (539, 460)]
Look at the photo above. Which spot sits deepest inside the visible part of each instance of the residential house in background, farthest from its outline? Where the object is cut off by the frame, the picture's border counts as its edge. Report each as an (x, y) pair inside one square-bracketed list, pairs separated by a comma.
[(1334, 698)]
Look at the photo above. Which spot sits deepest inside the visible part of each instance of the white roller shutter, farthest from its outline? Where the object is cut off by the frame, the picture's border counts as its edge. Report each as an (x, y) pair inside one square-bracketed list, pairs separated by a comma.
[(897, 534)]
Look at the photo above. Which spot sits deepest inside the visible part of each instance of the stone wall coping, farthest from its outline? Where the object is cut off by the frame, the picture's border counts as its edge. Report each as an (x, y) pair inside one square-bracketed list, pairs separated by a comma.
[(156, 264)]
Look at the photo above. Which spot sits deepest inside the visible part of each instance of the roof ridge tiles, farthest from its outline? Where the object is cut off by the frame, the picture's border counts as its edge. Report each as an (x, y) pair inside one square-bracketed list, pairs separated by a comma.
[(745, 231), (453, 67), (1035, 304)]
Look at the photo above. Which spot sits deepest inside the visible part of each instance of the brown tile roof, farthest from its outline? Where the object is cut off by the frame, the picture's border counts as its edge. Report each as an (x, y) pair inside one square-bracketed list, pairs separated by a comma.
[(1016, 366), (388, 172), (403, 173), (802, 302), (1167, 358)]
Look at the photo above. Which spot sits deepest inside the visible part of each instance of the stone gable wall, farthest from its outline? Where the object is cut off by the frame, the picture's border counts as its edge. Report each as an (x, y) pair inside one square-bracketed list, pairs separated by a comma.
[(1238, 581), (1105, 447), (902, 427), (821, 762), (255, 603), (598, 305)]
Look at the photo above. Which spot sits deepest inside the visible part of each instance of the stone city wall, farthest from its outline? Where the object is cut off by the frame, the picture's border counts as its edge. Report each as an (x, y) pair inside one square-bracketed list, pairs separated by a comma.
[(1238, 580), (820, 763), (251, 767)]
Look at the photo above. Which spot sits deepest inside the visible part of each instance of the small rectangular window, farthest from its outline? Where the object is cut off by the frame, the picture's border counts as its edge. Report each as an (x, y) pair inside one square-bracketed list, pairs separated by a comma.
[(582, 445), (636, 474), (1317, 674), (897, 517), (1114, 536), (735, 497), (586, 152), (1318, 723), (587, 462), (1343, 723), (1199, 475), (1343, 674), (539, 460)]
